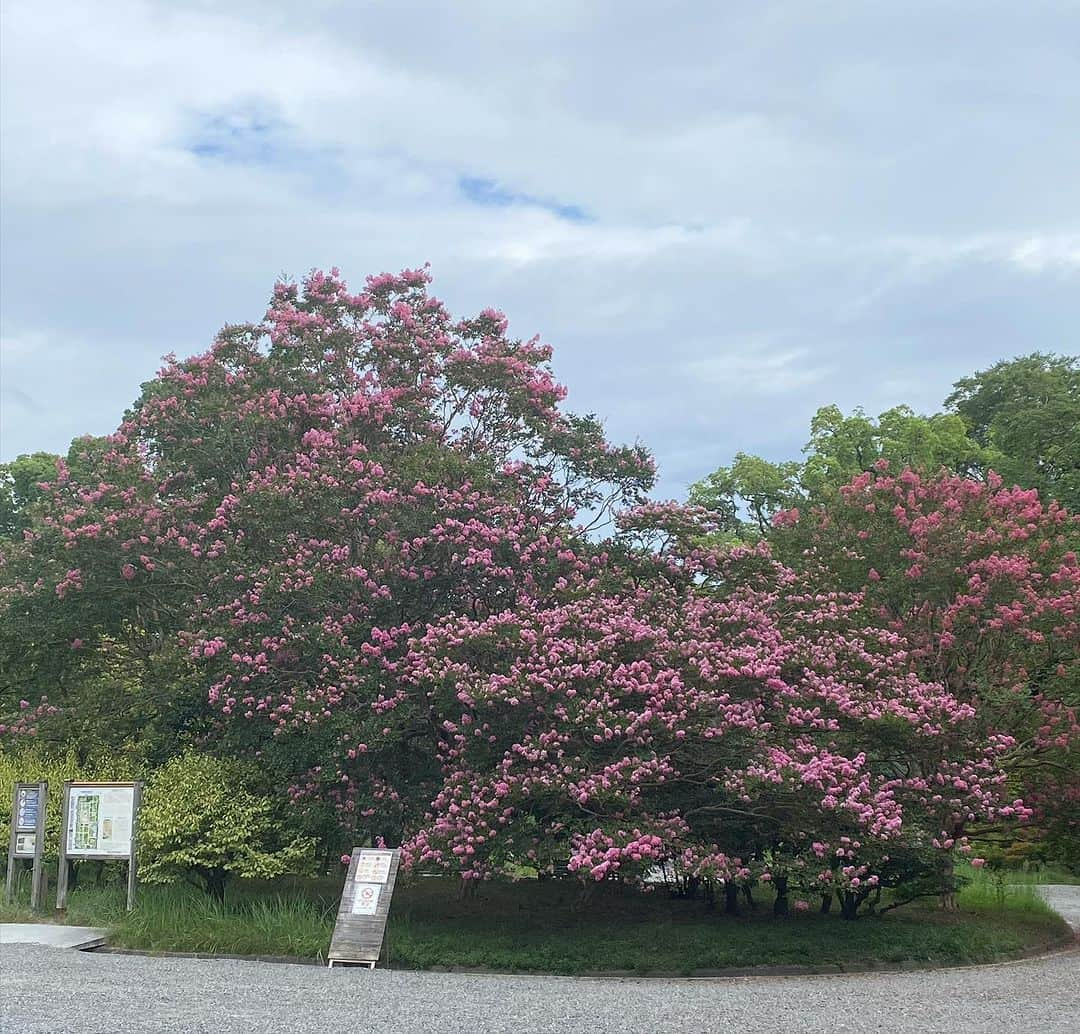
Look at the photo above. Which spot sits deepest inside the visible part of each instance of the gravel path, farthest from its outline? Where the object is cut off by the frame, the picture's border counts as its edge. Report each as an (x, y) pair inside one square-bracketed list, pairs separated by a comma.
[(1065, 901), (66, 992)]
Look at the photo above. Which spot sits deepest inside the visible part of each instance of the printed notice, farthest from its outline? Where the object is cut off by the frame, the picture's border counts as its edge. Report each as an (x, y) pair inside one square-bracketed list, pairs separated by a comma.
[(365, 906), (27, 805), (100, 820), (366, 899), (25, 845), (373, 866)]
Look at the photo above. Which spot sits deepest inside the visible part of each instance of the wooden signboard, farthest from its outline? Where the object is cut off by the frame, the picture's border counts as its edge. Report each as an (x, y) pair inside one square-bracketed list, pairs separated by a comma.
[(365, 906), (27, 838), (99, 822)]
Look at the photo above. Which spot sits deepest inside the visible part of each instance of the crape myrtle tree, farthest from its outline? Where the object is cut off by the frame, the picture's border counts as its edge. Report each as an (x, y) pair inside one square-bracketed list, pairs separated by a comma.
[(272, 513), (983, 584), (706, 712)]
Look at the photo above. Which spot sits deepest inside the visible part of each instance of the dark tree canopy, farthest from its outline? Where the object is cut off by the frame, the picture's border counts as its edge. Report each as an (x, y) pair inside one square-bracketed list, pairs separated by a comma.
[(1026, 413)]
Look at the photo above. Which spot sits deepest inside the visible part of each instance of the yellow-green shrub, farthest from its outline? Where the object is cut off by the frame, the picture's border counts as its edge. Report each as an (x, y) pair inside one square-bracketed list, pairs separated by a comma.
[(201, 818)]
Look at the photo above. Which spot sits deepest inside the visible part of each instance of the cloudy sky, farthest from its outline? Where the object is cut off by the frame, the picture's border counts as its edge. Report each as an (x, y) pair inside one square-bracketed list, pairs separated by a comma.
[(721, 215)]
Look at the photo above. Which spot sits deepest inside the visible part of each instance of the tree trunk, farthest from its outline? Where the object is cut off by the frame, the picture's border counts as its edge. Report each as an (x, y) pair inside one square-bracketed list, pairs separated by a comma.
[(849, 904), (780, 905), (731, 899), (948, 886), (216, 881), (586, 895), (748, 894), (826, 903)]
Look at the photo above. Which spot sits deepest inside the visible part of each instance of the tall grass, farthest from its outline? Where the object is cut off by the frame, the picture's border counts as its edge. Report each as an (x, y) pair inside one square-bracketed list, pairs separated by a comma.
[(289, 921), (183, 919), (531, 926), (988, 890)]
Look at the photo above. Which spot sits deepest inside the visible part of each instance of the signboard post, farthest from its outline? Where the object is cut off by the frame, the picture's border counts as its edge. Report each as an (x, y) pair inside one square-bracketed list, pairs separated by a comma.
[(365, 907), (98, 822), (27, 838)]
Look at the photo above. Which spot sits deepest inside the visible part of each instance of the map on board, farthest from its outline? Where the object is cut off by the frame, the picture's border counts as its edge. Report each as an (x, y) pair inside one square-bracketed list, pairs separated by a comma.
[(100, 820)]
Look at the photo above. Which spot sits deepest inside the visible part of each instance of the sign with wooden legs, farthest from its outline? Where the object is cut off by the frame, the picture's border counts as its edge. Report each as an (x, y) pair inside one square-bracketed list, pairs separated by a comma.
[(99, 822), (27, 838), (365, 907)]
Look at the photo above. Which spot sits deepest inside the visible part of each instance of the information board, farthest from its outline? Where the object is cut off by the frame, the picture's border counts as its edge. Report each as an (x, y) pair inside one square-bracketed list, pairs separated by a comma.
[(27, 806), (25, 845), (98, 821), (365, 907), (27, 838)]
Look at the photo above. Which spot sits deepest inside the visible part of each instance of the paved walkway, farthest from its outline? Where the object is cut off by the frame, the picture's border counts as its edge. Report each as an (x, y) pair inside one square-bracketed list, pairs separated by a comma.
[(1066, 902), (42, 990), (52, 935)]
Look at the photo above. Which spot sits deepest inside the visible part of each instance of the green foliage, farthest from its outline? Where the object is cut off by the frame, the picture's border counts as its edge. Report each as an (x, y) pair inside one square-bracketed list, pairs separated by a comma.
[(1026, 412), (1020, 418), (200, 817), (759, 486), (141, 702), (18, 489), (30, 763), (842, 447)]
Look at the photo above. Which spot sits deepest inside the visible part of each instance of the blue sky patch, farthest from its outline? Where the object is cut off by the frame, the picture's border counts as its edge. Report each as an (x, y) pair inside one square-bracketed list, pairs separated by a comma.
[(242, 137), (481, 191), (255, 138)]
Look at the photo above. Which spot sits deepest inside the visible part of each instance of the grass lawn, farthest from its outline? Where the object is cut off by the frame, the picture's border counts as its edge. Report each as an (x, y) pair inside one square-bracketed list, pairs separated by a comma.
[(533, 926)]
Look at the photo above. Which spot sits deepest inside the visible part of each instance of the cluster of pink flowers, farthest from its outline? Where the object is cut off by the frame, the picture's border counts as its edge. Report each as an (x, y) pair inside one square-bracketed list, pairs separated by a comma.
[(982, 581)]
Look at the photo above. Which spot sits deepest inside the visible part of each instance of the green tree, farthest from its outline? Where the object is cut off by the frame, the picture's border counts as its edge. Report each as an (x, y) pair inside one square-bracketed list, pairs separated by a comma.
[(202, 818), (752, 485), (19, 482), (840, 448), (1026, 413)]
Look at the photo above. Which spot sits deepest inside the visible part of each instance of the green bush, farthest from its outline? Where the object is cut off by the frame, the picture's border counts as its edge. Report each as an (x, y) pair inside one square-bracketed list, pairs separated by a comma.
[(202, 818)]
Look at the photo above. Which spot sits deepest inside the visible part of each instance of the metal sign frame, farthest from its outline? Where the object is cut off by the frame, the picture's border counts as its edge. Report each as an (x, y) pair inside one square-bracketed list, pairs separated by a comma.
[(24, 829), (365, 907), (63, 875)]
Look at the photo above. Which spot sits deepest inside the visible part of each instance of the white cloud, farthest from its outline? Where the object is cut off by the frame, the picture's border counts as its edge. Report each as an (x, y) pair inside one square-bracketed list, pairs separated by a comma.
[(776, 373), (788, 205)]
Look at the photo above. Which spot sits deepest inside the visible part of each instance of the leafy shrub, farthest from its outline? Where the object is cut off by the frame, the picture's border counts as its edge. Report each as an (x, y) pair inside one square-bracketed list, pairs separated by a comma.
[(202, 818)]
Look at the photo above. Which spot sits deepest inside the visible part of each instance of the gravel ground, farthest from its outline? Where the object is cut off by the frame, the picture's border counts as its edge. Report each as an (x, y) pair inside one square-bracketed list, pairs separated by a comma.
[(1065, 901), (67, 992)]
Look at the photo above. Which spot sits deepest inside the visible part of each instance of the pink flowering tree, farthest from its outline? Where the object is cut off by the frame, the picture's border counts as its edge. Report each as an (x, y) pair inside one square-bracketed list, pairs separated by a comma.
[(714, 718), (272, 516), (982, 582), (347, 543)]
